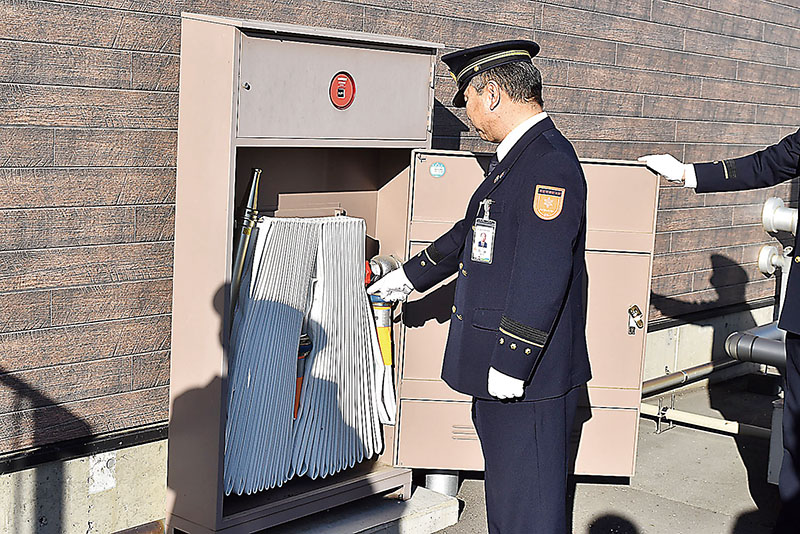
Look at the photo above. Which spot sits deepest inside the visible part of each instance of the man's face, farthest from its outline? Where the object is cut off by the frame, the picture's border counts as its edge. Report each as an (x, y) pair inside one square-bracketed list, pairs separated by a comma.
[(477, 111)]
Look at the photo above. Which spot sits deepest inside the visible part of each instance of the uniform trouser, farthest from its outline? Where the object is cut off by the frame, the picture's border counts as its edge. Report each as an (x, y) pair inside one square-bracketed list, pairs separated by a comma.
[(789, 482), (525, 450)]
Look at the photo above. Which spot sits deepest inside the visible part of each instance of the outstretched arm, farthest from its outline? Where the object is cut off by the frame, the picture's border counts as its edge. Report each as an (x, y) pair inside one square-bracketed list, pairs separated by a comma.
[(765, 168)]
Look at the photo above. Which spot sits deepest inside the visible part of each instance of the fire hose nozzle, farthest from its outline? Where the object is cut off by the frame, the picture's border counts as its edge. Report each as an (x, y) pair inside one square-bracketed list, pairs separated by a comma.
[(303, 351), (382, 265)]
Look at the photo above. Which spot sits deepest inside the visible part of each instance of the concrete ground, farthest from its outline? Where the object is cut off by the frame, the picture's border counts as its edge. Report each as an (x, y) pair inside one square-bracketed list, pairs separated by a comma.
[(426, 512), (687, 480)]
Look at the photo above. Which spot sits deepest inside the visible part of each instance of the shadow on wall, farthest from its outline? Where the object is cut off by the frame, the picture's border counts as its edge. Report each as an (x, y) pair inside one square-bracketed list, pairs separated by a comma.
[(729, 278), (449, 128), (38, 496), (728, 281)]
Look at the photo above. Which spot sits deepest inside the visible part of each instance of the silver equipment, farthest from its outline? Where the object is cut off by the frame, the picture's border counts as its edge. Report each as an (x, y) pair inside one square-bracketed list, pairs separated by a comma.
[(246, 225), (302, 275), (766, 344), (383, 265)]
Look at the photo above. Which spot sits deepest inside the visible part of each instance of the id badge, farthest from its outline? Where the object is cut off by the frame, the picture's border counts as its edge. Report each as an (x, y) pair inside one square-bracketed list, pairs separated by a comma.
[(483, 240)]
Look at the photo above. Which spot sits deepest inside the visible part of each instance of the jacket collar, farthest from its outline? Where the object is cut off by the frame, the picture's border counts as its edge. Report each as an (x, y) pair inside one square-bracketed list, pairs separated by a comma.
[(516, 134), (519, 147)]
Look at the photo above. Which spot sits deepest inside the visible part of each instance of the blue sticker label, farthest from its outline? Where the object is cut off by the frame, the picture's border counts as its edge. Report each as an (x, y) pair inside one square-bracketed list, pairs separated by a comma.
[(437, 169)]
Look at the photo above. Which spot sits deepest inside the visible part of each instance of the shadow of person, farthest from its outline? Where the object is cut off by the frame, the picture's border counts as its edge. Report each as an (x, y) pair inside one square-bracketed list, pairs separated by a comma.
[(612, 524), (449, 128), (436, 304), (728, 280), (33, 419)]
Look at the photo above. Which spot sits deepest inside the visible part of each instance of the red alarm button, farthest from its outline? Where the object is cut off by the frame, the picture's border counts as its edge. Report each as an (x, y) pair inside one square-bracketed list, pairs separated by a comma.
[(343, 90)]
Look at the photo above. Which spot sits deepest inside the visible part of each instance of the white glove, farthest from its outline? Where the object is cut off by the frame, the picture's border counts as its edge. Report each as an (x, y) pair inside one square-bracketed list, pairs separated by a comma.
[(503, 386), (670, 168), (394, 286)]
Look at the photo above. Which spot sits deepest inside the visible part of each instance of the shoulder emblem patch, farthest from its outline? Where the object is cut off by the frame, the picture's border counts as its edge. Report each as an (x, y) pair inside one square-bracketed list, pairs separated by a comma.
[(548, 201)]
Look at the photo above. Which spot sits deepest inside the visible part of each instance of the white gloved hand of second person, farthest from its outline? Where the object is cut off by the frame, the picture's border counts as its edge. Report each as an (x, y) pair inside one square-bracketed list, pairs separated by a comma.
[(667, 166), (503, 386), (392, 287)]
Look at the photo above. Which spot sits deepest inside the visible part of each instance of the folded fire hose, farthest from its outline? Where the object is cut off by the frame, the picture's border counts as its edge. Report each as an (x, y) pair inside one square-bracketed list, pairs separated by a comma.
[(303, 277)]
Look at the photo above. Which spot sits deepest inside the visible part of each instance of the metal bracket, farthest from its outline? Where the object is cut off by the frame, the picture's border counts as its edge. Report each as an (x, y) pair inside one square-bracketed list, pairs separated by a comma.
[(662, 411)]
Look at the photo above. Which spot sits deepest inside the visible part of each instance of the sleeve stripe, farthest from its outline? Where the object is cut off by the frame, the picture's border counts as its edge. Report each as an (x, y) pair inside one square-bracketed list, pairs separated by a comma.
[(429, 256), (434, 255), (524, 332), (729, 167), (528, 341)]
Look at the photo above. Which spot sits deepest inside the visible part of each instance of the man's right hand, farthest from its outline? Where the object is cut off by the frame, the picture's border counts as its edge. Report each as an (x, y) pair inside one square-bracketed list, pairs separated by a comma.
[(667, 166), (394, 286)]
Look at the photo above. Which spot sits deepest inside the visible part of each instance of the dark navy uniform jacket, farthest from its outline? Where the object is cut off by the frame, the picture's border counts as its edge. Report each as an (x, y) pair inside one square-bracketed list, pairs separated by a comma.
[(523, 314), (765, 168)]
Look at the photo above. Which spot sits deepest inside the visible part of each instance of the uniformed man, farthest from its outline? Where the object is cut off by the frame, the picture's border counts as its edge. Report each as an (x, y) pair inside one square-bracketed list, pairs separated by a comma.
[(765, 168), (517, 341)]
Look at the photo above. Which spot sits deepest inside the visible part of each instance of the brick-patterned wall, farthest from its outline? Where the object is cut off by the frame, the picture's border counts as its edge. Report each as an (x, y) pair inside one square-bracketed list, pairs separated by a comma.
[(88, 115)]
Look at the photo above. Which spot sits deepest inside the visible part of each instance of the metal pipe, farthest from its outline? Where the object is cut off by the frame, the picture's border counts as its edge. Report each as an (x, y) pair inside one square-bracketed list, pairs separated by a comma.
[(685, 376), (767, 348), (746, 347), (247, 223), (765, 344), (768, 331), (704, 421), (769, 260)]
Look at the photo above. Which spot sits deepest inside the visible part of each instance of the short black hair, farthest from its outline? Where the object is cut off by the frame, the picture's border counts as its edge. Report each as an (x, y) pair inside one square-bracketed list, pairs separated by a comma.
[(520, 79)]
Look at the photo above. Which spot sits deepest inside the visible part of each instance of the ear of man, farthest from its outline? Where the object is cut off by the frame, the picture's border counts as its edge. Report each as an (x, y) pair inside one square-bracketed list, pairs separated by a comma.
[(494, 94)]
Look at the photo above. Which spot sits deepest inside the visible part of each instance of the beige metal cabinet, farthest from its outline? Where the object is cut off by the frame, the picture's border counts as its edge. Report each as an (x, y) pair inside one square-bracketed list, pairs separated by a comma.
[(262, 95), (621, 207)]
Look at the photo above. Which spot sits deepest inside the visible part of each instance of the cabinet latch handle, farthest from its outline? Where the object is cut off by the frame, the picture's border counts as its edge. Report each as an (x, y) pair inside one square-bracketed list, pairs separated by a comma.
[(635, 319)]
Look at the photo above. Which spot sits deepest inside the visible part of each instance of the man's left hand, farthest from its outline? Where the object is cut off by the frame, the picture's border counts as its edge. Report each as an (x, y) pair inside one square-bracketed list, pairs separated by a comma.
[(667, 166), (503, 386)]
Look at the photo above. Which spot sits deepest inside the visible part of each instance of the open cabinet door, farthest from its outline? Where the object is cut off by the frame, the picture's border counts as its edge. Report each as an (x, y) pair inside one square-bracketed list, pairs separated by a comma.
[(621, 204), (435, 425)]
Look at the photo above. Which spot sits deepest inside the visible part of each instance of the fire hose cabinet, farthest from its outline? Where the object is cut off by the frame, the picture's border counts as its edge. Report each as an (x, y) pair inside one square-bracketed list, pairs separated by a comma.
[(619, 251), (322, 114)]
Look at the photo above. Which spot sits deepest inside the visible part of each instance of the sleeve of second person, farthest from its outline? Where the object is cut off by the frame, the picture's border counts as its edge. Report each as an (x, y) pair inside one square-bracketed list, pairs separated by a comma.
[(549, 219), (438, 261), (773, 165)]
